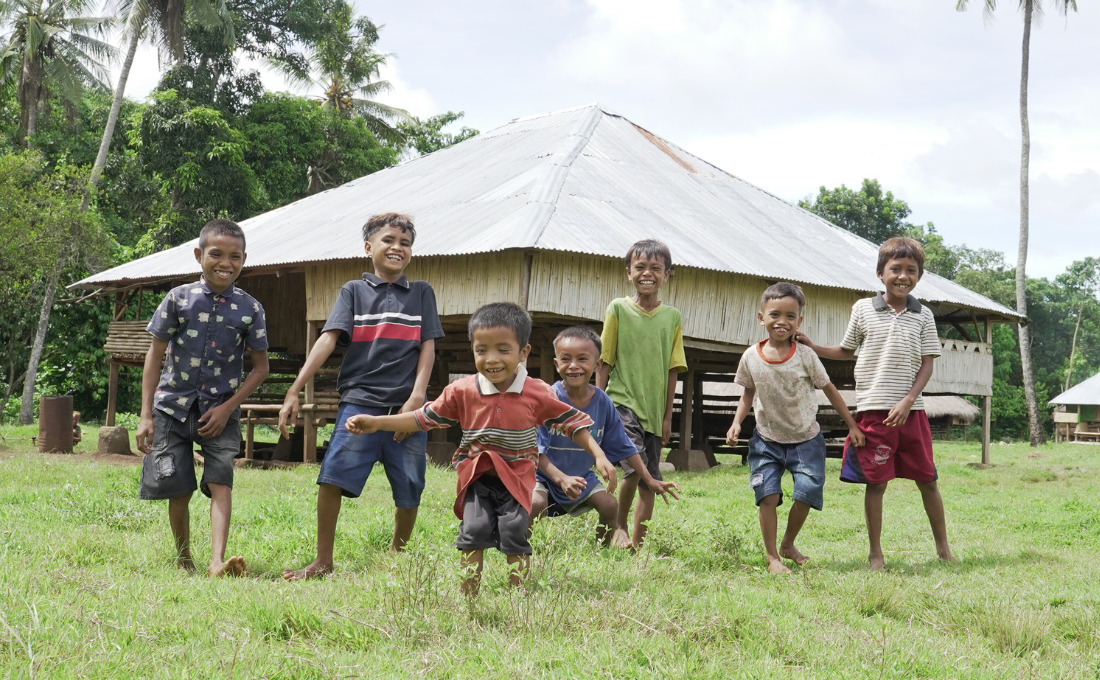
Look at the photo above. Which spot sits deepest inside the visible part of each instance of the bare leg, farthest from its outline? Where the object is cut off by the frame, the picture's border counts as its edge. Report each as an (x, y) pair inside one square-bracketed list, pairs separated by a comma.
[(627, 489), (519, 566), (538, 507), (608, 509), (933, 507), (329, 498), (795, 519), (179, 519), (642, 514), (221, 508), (872, 508), (768, 524), (404, 519), (472, 562)]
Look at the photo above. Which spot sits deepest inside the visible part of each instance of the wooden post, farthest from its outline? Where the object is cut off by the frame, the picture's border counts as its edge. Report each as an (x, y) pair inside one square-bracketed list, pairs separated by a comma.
[(546, 362), (249, 437), (687, 398), (698, 437), (309, 429), (112, 395), (987, 404)]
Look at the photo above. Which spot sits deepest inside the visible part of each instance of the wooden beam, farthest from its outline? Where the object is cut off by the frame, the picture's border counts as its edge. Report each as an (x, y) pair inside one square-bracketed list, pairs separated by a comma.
[(987, 405), (249, 437), (309, 430), (687, 409), (962, 331), (699, 436), (546, 362), (112, 395)]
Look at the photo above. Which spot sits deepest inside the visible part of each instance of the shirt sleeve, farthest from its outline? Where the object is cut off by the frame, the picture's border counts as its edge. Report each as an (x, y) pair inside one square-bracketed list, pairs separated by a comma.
[(560, 418), (165, 322), (445, 411), (342, 316), (543, 439), (818, 375), (430, 326), (744, 375), (610, 336), (853, 337), (678, 360), (929, 338), (616, 445), (255, 339)]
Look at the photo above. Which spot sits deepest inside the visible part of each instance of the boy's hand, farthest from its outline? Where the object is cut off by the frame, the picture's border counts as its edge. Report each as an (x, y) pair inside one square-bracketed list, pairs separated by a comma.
[(899, 414), (215, 420), (666, 429), (665, 489), (733, 434), (801, 337), (572, 486), (415, 401), (607, 471), (362, 424), (859, 440), (144, 435), (288, 413)]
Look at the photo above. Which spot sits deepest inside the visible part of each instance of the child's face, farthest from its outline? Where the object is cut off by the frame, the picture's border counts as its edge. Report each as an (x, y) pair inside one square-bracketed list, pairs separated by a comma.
[(576, 360), (647, 274), (781, 318), (497, 354), (221, 261), (390, 249), (900, 276)]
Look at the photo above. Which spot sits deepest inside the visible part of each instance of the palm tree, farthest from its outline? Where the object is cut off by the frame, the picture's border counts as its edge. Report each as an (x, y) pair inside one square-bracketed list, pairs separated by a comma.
[(166, 21), (52, 49), (1033, 10)]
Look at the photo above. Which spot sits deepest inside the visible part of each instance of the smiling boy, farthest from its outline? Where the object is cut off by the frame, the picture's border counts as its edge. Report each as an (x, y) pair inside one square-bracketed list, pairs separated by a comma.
[(897, 339), (499, 409), (780, 377), (388, 326), (205, 327), (566, 484)]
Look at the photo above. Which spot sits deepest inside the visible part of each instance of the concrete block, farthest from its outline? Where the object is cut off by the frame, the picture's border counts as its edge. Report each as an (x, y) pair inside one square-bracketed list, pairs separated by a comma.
[(690, 461), (667, 467), (114, 440)]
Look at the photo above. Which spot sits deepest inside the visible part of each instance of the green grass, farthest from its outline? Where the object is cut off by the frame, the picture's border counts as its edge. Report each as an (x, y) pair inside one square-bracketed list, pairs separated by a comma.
[(87, 588)]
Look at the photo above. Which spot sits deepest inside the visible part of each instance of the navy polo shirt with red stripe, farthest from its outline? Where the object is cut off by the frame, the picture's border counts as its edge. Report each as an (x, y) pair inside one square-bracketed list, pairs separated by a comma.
[(382, 326)]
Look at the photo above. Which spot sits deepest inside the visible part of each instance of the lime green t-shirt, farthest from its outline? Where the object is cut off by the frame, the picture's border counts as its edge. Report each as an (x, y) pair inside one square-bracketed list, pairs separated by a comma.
[(642, 347)]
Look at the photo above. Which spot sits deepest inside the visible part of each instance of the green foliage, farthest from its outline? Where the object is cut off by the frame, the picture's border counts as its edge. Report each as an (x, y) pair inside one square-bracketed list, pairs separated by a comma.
[(866, 212), (426, 135)]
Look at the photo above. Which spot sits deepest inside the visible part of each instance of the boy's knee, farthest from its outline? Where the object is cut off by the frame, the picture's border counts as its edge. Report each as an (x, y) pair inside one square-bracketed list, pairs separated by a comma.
[(771, 500), (928, 487), (538, 504)]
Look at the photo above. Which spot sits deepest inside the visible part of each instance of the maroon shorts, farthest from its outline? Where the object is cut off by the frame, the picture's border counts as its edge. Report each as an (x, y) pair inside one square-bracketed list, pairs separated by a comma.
[(891, 452)]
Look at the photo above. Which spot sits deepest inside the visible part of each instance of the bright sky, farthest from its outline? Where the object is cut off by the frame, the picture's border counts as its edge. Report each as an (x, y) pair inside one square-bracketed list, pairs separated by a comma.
[(791, 95)]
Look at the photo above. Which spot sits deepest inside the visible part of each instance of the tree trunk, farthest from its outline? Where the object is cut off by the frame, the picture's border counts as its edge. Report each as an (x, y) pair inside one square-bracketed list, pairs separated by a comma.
[(1072, 348), (1035, 427), (32, 123), (26, 413), (116, 107)]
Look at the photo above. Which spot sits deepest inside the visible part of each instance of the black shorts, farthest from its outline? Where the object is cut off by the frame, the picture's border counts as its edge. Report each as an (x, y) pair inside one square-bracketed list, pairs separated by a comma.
[(647, 444), (168, 470), (492, 518)]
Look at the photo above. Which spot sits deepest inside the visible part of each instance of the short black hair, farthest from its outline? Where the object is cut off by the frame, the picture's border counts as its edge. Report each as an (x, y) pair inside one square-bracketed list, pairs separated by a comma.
[(580, 333), (502, 315), (220, 228), (783, 289), (649, 247), (897, 248), (402, 222)]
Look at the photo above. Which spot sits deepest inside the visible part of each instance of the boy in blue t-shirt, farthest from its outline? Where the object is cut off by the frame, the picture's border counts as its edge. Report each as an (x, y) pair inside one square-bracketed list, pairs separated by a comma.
[(566, 484)]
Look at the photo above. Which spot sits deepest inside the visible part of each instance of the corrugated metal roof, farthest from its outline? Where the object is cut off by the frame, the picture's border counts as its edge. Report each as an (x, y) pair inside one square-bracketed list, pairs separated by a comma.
[(580, 180), (1086, 393)]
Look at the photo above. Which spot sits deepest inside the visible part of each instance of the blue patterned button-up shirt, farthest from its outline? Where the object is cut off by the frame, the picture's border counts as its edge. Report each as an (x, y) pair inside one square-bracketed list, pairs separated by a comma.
[(207, 335)]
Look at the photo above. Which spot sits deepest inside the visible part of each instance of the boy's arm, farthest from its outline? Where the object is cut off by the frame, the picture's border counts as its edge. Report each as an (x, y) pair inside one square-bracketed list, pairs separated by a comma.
[(858, 438), (214, 420), (743, 405), (321, 351), (420, 387), (399, 422), (572, 486), (150, 376), (602, 375), (836, 352), (900, 413), (670, 394), (603, 466)]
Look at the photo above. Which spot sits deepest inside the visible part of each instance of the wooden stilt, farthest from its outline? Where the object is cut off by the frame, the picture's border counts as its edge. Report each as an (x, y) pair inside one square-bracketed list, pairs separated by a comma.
[(698, 436), (309, 429), (112, 395), (987, 405), (687, 410), (250, 437), (546, 362)]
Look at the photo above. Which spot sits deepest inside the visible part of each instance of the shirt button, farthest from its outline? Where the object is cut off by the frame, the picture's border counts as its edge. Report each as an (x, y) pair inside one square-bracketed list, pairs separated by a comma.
[(498, 410)]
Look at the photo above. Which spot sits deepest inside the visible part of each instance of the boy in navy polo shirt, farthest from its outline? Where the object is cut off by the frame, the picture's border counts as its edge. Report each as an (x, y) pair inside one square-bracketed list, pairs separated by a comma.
[(205, 328), (389, 326)]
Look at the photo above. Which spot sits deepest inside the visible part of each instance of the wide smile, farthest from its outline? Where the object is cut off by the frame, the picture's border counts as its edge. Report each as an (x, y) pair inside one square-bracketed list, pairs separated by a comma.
[(394, 257), (574, 376), (221, 274)]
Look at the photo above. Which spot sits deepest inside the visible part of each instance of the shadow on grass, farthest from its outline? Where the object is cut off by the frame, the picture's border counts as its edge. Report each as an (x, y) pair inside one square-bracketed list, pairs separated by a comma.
[(960, 566)]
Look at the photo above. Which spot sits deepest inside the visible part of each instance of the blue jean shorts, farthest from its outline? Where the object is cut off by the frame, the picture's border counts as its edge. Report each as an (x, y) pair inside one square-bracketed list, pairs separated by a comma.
[(805, 460), (350, 458)]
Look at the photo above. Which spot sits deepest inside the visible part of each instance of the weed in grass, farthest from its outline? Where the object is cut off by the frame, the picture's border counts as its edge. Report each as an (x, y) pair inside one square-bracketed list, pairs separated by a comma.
[(1039, 476), (669, 534), (1080, 624), (878, 596), (1016, 631)]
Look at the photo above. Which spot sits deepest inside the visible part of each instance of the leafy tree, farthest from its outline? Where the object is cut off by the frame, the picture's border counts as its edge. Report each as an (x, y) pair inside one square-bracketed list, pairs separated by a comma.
[(1032, 9), (1081, 281), (425, 136), (52, 49), (867, 212)]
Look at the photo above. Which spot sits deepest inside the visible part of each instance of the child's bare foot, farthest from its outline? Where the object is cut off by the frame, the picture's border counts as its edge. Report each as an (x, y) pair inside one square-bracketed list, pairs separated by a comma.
[(185, 565), (945, 554), (777, 567), (791, 553), (876, 562), (315, 570), (234, 566), (621, 539)]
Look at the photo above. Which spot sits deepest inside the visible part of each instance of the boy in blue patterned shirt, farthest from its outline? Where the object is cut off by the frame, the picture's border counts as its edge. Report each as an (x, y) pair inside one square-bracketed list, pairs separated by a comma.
[(205, 327)]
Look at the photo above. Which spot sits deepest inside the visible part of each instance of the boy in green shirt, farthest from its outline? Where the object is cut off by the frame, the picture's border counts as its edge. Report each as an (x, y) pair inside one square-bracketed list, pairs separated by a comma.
[(643, 350)]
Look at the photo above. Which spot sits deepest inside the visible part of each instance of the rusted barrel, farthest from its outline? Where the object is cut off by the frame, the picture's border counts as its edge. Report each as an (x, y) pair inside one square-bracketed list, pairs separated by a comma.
[(55, 424)]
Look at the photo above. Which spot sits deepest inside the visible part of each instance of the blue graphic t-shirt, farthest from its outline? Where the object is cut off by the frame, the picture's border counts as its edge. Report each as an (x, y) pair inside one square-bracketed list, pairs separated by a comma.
[(569, 457)]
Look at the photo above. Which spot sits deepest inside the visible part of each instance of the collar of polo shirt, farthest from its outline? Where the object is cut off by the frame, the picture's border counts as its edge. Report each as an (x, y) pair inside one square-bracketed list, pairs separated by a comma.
[(375, 280), (912, 304), (516, 387)]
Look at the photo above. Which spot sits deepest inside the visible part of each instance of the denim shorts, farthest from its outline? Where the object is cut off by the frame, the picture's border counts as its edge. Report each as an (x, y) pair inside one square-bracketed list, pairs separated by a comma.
[(805, 460), (168, 471), (350, 458)]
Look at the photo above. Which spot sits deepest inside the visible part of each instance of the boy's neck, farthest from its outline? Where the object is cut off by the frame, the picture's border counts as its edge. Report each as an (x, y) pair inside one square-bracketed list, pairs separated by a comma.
[(647, 302), (579, 394), (780, 347), (214, 286), (503, 386), (894, 303), (389, 278)]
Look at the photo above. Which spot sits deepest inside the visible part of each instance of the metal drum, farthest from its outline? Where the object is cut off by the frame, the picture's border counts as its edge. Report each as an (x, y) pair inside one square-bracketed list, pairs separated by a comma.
[(55, 424)]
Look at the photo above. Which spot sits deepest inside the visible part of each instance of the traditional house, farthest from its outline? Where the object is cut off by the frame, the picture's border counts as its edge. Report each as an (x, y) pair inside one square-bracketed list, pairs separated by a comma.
[(1077, 417), (540, 211)]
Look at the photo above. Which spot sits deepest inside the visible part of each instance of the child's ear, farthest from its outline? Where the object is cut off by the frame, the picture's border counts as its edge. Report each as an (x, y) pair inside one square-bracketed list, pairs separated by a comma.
[(366, 248), (524, 352), (760, 318), (198, 255)]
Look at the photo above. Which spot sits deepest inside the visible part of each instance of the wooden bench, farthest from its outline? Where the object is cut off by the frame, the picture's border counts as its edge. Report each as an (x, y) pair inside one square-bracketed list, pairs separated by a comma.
[(1087, 432)]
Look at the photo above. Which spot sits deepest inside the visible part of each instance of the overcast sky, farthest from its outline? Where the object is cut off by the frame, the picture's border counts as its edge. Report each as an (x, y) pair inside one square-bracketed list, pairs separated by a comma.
[(791, 95)]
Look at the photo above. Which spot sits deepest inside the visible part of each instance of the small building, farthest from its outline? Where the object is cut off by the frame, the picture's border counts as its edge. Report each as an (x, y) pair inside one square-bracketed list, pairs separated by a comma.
[(1077, 416), (540, 211)]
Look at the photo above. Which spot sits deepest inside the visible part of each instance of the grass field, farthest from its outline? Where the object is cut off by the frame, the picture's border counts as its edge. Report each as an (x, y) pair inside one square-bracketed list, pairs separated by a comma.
[(87, 587)]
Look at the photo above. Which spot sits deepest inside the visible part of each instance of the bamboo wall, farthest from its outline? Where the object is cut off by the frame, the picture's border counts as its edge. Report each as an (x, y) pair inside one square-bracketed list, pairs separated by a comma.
[(963, 368), (284, 302)]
